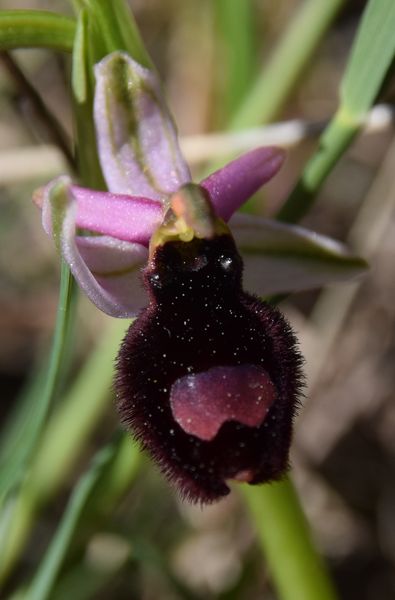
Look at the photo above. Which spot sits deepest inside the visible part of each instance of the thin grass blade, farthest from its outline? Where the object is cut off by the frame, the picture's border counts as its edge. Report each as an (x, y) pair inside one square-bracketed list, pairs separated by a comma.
[(31, 418), (40, 29), (46, 575), (371, 55)]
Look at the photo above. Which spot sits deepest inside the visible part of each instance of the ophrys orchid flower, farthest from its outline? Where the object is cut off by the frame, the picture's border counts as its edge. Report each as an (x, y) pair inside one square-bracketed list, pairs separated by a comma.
[(208, 376)]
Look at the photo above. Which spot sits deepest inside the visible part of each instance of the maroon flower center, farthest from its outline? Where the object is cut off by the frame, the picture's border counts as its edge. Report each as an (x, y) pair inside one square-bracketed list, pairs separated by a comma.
[(203, 401)]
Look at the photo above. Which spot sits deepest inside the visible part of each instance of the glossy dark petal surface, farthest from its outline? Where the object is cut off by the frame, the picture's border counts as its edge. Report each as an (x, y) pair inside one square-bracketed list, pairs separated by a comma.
[(199, 319)]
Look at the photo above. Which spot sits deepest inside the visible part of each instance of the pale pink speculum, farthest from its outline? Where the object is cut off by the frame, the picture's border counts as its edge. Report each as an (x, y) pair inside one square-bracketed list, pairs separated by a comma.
[(202, 402)]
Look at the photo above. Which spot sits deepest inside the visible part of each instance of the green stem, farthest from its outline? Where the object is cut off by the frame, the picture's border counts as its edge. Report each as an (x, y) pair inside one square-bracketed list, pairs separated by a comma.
[(236, 42), (110, 476), (117, 480), (370, 59), (47, 573), (21, 445), (297, 571), (62, 336), (83, 92), (116, 26), (287, 63), (35, 29), (77, 417), (333, 143), (60, 447)]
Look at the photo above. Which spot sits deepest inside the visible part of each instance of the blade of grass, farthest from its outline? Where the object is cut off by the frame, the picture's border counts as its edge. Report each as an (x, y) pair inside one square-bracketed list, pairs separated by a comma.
[(82, 79), (287, 63), (20, 416), (39, 29), (235, 24), (371, 55), (130, 33), (76, 417), (117, 480), (47, 573), (283, 534), (116, 26), (65, 435), (28, 422), (290, 57), (114, 481)]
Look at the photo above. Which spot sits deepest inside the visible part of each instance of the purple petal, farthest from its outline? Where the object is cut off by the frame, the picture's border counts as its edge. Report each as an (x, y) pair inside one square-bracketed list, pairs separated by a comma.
[(124, 217), (137, 139), (237, 181), (106, 269), (112, 276), (281, 258)]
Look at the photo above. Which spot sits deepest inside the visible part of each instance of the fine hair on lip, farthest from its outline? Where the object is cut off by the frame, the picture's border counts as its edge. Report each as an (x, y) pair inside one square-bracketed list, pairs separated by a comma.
[(216, 329)]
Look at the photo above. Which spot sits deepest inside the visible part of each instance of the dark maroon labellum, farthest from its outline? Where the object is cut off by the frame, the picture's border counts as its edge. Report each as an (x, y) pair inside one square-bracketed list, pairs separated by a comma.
[(208, 376)]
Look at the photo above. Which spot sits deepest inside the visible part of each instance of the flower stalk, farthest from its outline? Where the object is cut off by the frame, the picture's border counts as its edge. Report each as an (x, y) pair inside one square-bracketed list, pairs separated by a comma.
[(296, 568)]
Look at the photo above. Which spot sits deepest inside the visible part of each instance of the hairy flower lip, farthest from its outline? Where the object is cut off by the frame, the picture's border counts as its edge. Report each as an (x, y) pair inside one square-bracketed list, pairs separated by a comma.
[(180, 333)]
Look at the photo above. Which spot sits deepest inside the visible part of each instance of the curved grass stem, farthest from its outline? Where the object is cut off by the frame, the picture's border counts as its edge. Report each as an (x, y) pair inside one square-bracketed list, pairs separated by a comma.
[(31, 416), (35, 29)]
